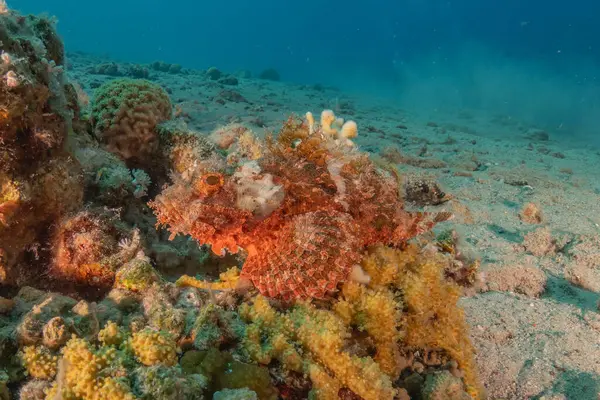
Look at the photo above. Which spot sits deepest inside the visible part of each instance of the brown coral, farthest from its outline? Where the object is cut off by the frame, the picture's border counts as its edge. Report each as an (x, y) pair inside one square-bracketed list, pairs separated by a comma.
[(33, 121), (322, 203), (28, 207), (86, 249), (125, 114)]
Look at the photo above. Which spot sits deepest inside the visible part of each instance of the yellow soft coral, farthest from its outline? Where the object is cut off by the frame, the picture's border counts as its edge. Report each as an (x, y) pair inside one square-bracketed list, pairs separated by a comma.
[(39, 362), (321, 334), (277, 346), (383, 264), (90, 374), (227, 280), (432, 319), (111, 334), (376, 312), (152, 348), (324, 386)]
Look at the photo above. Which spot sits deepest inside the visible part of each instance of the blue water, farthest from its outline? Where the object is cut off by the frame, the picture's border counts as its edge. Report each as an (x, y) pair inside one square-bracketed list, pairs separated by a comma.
[(535, 59)]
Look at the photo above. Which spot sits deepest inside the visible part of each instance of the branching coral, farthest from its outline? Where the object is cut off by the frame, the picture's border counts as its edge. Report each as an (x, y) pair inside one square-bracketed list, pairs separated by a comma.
[(431, 319), (122, 367), (321, 334), (303, 212), (376, 312), (357, 344)]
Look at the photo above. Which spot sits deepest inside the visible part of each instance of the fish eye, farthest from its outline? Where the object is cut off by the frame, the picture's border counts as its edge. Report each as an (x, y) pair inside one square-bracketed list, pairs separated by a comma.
[(212, 180)]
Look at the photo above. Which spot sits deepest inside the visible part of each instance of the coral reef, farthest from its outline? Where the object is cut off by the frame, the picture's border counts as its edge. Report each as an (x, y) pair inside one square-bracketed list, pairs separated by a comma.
[(107, 178), (137, 275), (34, 118), (365, 342), (315, 288), (325, 336), (162, 383), (184, 147), (39, 182)]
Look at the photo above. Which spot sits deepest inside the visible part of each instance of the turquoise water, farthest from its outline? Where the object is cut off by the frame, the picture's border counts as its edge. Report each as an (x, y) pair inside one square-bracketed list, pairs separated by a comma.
[(537, 60)]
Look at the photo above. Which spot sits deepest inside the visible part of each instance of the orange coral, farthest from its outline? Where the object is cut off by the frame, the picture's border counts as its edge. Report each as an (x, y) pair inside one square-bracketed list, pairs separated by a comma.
[(335, 202)]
